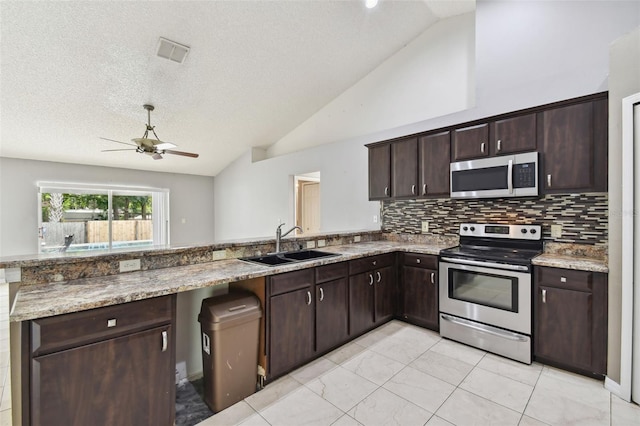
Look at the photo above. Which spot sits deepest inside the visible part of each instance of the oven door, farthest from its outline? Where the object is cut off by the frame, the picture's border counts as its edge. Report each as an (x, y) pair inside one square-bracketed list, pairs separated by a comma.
[(498, 297)]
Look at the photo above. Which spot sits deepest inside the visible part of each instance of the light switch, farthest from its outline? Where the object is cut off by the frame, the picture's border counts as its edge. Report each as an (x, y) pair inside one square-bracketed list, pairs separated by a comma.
[(556, 231), (425, 226)]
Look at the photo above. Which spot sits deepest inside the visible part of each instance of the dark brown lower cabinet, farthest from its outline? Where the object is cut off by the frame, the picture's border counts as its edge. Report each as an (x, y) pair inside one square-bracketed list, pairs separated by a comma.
[(570, 312), (106, 366), (420, 290), (332, 314)]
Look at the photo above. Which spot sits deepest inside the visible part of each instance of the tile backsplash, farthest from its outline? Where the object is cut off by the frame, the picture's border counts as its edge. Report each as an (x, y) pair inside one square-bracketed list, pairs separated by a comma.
[(584, 217)]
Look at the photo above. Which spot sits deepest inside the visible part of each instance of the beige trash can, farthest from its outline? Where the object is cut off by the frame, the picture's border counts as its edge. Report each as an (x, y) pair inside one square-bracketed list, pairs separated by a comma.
[(230, 326)]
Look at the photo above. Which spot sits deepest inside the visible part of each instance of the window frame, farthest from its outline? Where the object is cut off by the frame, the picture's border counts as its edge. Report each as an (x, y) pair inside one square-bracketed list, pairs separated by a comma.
[(160, 207)]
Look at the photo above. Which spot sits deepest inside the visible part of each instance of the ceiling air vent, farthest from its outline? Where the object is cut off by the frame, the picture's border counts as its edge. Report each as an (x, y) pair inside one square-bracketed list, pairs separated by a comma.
[(171, 50)]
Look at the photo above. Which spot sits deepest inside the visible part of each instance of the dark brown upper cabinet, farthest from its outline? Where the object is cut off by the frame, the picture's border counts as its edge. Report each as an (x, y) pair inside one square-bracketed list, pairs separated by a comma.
[(380, 172), (573, 141), (404, 168), (470, 142), (513, 135), (433, 168)]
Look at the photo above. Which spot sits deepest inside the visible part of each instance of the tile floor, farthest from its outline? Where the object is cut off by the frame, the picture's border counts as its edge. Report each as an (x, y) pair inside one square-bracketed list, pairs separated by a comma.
[(5, 377), (399, 374)]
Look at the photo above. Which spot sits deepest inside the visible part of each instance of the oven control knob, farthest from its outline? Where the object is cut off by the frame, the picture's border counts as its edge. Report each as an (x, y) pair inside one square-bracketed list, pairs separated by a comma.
[(533, 231), (472, 228), (523, 230), (464, 228)]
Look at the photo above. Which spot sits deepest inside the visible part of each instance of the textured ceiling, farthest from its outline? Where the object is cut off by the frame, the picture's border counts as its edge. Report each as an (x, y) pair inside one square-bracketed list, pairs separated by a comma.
[(74, 71)]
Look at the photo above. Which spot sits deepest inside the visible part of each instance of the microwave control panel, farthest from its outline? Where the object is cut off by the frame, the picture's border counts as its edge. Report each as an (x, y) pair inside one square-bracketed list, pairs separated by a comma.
[(524, 175)]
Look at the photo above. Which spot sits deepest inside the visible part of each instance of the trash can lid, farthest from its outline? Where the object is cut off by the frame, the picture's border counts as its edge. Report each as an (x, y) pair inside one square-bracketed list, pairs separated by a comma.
[(230, 307)]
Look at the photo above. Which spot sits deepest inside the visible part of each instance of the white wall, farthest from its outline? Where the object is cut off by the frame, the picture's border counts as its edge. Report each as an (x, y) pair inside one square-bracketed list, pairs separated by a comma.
[(624, 81)]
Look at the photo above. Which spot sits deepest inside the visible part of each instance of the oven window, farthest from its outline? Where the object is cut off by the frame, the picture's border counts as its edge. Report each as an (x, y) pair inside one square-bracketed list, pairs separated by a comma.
[(495, 291), (488, 178)]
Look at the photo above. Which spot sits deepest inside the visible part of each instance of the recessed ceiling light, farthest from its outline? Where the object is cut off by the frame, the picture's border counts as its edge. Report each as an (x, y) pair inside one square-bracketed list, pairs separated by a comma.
[(371, 3), (171, 50)]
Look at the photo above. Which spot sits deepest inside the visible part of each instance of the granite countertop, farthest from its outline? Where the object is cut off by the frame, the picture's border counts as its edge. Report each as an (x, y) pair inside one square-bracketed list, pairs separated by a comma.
[(43, 300), (556, 260)]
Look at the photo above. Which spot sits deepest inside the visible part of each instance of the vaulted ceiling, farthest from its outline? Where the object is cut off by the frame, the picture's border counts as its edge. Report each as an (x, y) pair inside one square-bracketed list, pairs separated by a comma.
[(75, 71)]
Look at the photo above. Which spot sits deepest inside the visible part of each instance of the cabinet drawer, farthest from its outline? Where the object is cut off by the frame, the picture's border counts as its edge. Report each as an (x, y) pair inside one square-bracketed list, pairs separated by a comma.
[(565, 278), (290, 281), (369, 263), (331, 272), (425, 261), (80, 328)]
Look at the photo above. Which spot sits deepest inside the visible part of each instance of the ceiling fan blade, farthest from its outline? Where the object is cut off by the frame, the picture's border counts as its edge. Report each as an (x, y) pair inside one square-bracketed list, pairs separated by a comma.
[(124, 149), (184, 154), (124, 143)]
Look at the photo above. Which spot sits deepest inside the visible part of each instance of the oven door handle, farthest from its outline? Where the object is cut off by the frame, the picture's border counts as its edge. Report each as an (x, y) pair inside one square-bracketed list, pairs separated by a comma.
[(487, 264), (486, 329), (510, 177)]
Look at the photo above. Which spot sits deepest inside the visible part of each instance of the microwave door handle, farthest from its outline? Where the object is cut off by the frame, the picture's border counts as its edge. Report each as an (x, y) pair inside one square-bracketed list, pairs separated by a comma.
[(510, 177)]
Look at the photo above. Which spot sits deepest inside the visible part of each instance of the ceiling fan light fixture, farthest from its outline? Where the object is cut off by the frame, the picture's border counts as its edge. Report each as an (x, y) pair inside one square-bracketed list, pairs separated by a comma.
[(171, 50)]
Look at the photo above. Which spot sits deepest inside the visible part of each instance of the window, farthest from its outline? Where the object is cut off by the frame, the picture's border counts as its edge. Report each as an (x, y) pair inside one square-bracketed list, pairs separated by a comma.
[(78, 217)]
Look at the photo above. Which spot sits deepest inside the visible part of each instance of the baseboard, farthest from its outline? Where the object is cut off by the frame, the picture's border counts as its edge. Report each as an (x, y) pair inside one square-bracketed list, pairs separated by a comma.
[(615, 388)]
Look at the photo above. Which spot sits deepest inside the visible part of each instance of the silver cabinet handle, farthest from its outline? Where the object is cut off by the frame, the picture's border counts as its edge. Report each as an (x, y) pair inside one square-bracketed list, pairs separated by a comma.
[(510, 177), (482, 147), (165, 341), (424, 189), (433, 278), (321, 294), (413, 190), (370, 279), (379, 277), (417, 260), (308, 297), (499, 147), (386, 190), (544, 296), (374, 262), (549, 181)]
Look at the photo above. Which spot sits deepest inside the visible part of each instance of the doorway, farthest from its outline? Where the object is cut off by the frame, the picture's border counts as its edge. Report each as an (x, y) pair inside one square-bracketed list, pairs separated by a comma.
[(307, 201)]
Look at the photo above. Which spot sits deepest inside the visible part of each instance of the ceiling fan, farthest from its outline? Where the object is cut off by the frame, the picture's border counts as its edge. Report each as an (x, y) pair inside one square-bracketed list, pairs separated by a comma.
[(153, 147)]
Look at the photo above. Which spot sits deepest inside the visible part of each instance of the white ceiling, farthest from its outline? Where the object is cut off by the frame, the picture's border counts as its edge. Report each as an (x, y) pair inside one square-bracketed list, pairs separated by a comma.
[(73, 71)]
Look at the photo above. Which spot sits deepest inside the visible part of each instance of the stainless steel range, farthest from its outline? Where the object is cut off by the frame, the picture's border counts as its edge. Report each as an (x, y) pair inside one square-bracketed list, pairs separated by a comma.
[(486, 286)]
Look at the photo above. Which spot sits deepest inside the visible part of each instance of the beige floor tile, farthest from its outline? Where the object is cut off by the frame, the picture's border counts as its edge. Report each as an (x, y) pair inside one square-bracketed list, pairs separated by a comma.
[(624, 413), (233, 415), (465, 408), (420, 388), (499, 389), (346, 420), (273, 392), (528, 421), (406, 345), (443, 367), (373, 367), (302, 407), (255, 420), (384, 408), (5, 418), (342, 388), (515, 370), (313, 370), (437, 421), (459, 351), (345, 353)]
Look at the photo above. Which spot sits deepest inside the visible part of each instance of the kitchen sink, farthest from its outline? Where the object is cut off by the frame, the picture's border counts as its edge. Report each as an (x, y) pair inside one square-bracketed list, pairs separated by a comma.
[(288, 257)]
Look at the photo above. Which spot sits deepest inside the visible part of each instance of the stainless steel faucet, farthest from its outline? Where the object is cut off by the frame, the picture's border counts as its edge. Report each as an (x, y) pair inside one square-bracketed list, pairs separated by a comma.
[(280, 235)]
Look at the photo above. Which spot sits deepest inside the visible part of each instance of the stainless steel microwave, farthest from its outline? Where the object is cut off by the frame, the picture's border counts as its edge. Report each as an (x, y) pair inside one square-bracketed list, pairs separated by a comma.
[(505, 176)]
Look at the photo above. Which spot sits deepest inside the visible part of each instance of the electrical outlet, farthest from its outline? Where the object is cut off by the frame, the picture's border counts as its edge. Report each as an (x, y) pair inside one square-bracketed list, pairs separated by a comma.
[(322, 243), (130, 265), (311, 244), (219, 254), (375, 218), (556, 231), (425, 226), (356, 239)]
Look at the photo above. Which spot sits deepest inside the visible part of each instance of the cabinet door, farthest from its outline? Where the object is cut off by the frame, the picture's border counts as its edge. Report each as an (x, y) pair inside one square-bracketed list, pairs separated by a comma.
[(360, 302), (564, 324), (291, 327), (511, 135), (404, 168), (123, 381), (384, 294), (420, 296), (568, 148), (379, 172), (470, 142), (435, 157), (332, 314)]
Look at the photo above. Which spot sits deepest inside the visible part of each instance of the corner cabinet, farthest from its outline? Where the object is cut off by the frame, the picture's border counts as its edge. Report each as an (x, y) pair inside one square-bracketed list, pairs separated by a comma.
[(570, 312), (420, 290), (105, 366), (372, 292), (574, 141)]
